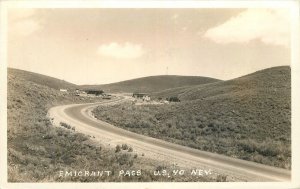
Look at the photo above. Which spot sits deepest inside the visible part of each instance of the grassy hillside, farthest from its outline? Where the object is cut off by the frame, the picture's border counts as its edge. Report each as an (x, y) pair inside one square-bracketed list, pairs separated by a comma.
[(37, 150), (173, 92), (152, 83), (273, 82), (248, 117), (41, 79), (271, 78)]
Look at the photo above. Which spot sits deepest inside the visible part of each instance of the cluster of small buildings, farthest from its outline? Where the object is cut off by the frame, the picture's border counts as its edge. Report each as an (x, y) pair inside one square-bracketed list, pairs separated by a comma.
[(142, 96), (86, 93), (144, 99)]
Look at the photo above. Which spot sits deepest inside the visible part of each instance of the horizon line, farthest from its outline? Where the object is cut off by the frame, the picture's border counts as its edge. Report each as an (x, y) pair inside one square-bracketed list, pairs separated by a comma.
[(142, 77)]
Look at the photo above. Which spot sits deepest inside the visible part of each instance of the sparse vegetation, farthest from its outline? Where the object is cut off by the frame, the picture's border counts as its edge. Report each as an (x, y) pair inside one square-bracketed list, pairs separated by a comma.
[(124, 147), (42, 80), (37, 151), (221, 178), (247, 118), (65, 125), (118, 149), (130, 149)]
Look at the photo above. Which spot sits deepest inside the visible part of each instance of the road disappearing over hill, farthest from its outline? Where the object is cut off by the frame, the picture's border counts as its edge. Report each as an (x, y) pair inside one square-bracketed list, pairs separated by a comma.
[(80, 116)]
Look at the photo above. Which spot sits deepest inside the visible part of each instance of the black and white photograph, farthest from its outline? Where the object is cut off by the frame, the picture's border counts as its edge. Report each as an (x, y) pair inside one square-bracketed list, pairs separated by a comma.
[(157, 93)]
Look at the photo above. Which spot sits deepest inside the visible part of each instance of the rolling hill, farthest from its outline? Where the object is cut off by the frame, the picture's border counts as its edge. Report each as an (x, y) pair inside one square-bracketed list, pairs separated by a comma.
[(267, 80), (40, 79), (146, 84), (272, 82), (152, 83), (248, 117), (37, 150)]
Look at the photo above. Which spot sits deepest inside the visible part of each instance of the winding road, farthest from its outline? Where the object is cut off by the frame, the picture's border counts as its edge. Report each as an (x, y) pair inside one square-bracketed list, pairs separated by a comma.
[(79, 116)]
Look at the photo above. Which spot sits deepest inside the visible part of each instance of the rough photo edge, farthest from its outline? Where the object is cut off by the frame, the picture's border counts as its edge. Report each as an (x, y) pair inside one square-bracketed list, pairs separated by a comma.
[(295, 74)]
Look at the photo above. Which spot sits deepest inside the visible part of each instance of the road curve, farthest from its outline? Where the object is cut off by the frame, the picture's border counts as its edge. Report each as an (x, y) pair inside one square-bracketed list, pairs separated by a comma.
[(79, 115)]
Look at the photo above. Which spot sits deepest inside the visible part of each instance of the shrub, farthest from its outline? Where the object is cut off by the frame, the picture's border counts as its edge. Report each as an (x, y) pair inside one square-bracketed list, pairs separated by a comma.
[(160, 168), (257, 158), (118, 148), (124, 147), (80, 137), (221, 178), (248, 145), (65, 125), (173, 99), (124, 159)]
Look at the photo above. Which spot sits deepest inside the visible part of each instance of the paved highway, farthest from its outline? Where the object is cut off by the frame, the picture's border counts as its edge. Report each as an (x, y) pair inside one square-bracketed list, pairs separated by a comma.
[(79, 115)]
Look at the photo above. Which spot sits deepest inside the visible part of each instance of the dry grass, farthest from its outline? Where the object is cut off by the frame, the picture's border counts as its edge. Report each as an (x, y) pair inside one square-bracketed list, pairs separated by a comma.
[(248, 118), (37, 151)]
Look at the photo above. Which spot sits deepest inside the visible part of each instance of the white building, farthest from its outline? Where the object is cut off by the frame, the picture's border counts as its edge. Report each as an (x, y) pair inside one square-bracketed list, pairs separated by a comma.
[(63, 90), (146, 98)]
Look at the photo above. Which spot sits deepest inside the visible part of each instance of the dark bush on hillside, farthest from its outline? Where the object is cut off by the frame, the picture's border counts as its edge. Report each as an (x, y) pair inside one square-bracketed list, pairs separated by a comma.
[(221, 178), (130, 149), (173, 99), (65, 125), (118, 148), (124, 147)]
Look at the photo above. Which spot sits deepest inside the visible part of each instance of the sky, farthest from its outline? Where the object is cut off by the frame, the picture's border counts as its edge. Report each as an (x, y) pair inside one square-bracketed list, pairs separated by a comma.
[(99, 46)]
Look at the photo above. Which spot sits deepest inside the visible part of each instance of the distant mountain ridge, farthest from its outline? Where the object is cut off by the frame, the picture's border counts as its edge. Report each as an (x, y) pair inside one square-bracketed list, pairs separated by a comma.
[(152, 83)]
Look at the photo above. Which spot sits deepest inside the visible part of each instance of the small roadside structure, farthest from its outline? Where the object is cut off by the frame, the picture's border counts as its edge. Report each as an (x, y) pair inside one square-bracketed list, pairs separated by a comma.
[(63, 90), (165, 102), (80, 93), (146, 98), (139, 95)]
